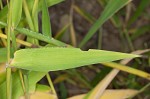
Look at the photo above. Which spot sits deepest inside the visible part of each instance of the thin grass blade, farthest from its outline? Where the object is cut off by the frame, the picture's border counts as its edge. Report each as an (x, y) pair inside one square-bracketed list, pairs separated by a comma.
[(84, 14), (46, 26), (16, 12), (38, 36), (35, 15), (112, 7)]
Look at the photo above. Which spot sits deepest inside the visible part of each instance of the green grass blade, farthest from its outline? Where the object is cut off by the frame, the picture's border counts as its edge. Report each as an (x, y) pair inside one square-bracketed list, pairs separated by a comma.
[(112, 7), (61, 32), (50, 3), (62, 58), (16, 12), (41, 37), (27, 14), (35, 15), (4, 11), (46, 26), (38, 36), (84, 14)]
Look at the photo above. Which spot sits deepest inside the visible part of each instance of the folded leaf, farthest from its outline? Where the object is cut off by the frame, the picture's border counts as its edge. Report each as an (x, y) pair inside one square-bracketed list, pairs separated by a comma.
[(58, 58), (17, 90)]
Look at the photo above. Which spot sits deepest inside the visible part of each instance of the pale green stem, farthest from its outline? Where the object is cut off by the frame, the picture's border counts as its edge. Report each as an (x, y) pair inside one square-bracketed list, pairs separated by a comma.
[(8, 70), (9, 82), (22, 81), (50, 83)]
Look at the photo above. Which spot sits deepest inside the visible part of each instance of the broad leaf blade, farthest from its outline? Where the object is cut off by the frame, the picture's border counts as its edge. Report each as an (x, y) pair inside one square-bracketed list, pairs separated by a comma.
[(112, 7), (53, 59)]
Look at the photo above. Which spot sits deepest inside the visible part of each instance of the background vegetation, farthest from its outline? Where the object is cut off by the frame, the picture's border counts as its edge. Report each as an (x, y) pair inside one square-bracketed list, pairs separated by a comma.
[(61, 25)]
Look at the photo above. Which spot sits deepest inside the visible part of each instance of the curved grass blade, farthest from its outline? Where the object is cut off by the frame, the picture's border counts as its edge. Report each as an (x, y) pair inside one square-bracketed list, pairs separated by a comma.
[(53, 59), (112, 7)]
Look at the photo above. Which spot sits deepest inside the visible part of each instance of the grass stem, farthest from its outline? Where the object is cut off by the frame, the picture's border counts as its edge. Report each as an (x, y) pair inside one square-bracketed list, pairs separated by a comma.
[(50, 83), (8, 70)]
